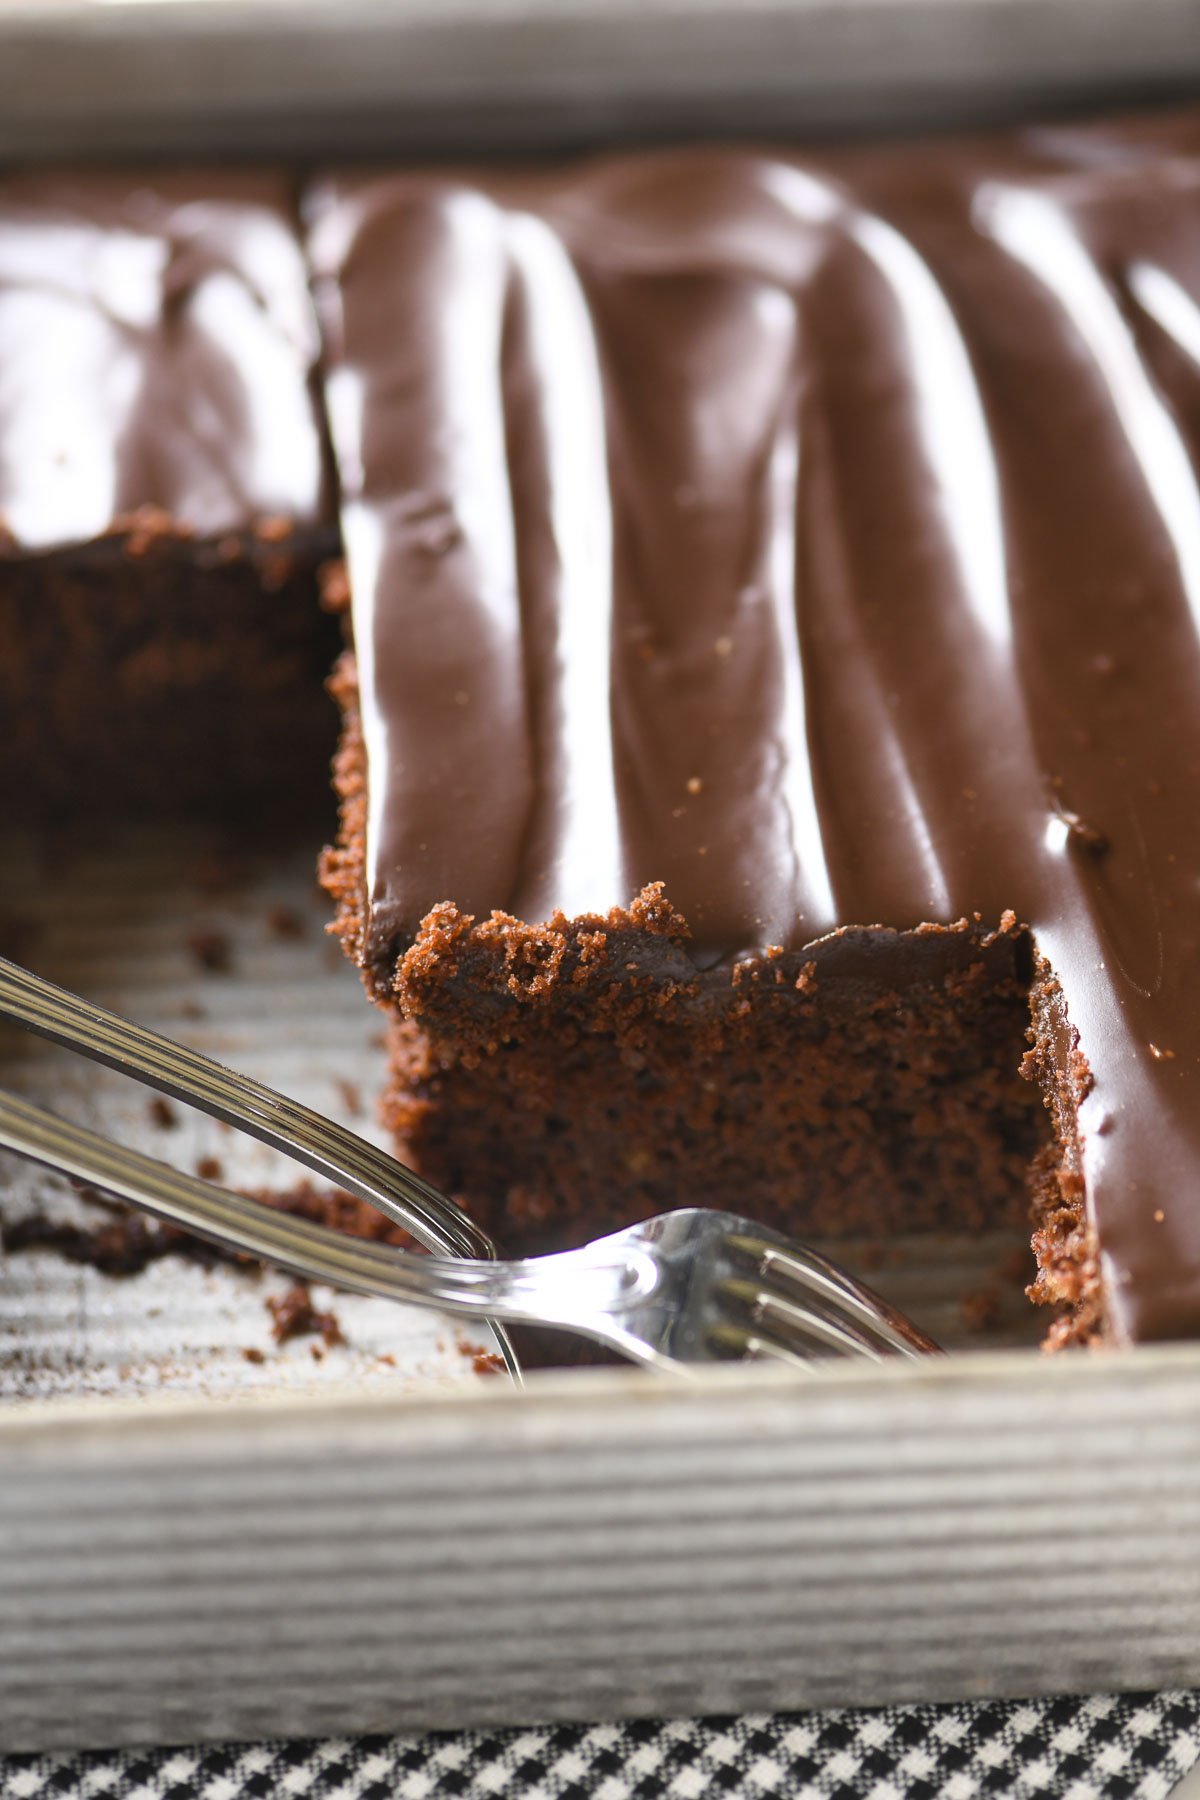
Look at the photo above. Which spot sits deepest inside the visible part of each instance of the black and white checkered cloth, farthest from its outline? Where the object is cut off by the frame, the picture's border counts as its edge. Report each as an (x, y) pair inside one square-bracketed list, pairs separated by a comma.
[(1127, 1747)]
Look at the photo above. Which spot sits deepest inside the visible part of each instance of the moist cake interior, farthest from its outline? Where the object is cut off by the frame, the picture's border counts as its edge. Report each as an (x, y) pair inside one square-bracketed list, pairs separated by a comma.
[(165, 681), (569, 1077)]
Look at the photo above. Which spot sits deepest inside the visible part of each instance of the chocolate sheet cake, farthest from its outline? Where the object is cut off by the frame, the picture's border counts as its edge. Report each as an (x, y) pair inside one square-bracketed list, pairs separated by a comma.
[(164, 503), (773, 715)]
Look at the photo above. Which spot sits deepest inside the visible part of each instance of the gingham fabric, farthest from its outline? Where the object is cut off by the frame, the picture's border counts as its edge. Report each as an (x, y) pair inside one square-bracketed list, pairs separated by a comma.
[(1131, 1747)]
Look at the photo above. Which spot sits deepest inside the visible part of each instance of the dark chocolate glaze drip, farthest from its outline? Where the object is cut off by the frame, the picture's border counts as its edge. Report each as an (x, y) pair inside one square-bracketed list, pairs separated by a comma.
[(158, 342), (819, 535)]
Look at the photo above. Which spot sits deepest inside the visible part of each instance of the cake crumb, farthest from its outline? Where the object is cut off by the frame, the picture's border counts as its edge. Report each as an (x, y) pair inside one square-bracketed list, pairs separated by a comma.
[(253, 1355), (483, 1362), (209, 1168), (351, 1096), (162, 1113), (981, 1310), (334, 583), (294, 1315), (285, 922), (695, 785), (144, 524), (211, 949), (1089, 837), (1159, 1215), (219, 871), (806, 980), (723, 646), (1160, 1055)]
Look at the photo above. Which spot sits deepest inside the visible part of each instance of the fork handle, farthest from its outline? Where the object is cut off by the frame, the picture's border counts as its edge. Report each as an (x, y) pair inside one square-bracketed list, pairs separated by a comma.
[(187, 1075), (516, 1291), (330, 1150)]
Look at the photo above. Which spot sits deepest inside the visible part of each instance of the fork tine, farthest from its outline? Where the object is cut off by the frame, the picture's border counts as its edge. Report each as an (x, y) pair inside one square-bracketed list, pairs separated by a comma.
[(800, 1268), (796, 1320), (744, 1345), (796, 1263), (807, 1322)]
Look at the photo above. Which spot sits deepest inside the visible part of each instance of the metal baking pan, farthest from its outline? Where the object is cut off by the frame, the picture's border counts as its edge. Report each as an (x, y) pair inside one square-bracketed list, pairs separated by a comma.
[(204, 1536), (308, 77), (197, 1544), (604, 1545)]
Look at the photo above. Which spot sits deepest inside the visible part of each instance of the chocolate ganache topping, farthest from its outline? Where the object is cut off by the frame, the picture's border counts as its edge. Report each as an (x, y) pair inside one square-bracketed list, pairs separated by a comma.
[(818, 534), (156, 346)]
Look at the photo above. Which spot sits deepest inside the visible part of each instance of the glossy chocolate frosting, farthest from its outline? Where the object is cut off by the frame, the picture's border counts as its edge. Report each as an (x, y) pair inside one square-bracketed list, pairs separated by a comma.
[(820, 535), (156, 346)]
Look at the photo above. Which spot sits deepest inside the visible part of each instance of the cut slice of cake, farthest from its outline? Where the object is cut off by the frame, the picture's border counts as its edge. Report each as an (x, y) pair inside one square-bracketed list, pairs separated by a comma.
[(775, 584), (164, 503)]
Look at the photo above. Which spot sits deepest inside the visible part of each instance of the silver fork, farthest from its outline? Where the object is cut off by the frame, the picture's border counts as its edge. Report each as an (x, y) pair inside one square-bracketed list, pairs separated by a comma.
[(688, 1287)]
